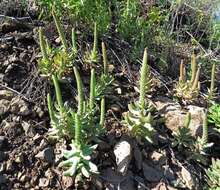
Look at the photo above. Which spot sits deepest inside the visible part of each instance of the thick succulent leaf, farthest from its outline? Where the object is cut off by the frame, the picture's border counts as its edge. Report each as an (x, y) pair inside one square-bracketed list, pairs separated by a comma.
[(85, 172), (93, 167), (72, 170)]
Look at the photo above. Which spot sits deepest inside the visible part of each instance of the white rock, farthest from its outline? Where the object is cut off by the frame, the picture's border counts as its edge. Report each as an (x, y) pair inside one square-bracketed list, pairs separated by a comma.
[(122, 151)]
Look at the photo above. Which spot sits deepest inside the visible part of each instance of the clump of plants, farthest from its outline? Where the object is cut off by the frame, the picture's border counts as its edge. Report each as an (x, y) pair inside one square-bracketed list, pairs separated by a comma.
[(139, 119), (57, 61), (92, 57), (214, 116), (195, 148), (213, 175), (188, 89), (82, 126)]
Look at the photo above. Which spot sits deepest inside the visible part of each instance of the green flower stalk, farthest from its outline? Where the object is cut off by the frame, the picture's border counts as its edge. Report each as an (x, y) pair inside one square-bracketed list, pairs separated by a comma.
[(187, 120), (78, 128), (80, 91), (182, 77), (193, 68), (143, 79), (94, 54), (74, 46), (104, 55), (60, 31), (102, 115), (43, 45), (58, 92), (212, 85), (205, 130), (92, 90), (50, 107), (196, 81)]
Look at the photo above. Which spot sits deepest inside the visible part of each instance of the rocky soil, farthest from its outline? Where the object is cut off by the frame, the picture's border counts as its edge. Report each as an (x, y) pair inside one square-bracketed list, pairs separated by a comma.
[(29, 161)]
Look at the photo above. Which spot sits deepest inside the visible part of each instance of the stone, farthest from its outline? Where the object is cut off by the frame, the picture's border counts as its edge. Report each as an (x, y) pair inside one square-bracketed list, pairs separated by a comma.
[(67, 182), (151, 174), (28, 129), (138, 157), (43, 182), (3, 156), (175, 116), (122, 151), (47, 155), (188, 178), (116, 181), (141, 184), (4, 106), (19, 107), (3, 179), (3, 142), (158, 158), (6, 94)]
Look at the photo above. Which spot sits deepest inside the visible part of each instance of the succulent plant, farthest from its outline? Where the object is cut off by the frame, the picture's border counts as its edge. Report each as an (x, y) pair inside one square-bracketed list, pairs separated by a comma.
[(214, 116), (106, 79), (212, 89), (62, 118), (213, 175), (138, 118), (183, 137), (78, 158), (57, 61), (195, 148), (188, 89), (92, 57)]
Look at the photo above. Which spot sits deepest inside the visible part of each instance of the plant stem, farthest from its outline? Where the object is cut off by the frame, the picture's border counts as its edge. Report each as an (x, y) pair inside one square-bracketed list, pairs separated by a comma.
[(104, 55), (212, 86), (193, 68), (60, 31), (95, 39), (74, 46), (182, 72), (77, 130), (50, 107), (58, 92), (195, 84), (80, 91), (187, 120), (102, 115), (43, 45), (143, 79), (205, 130), (92, 90)]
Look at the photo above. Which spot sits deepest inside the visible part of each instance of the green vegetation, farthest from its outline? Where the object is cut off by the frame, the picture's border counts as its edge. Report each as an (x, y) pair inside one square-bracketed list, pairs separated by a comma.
[(138, 119), (172, 30), (188, 89), (214, 116), (213, 175)]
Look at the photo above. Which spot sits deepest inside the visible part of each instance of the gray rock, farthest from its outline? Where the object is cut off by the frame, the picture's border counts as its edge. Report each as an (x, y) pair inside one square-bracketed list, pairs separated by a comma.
[(138, 157), (19, 107), (151, 174), (43, 182), (3, 141), (3, 156), (4, 106), (28, 129), (3, 179), (122, 151), (47, 155), (6, 94), (116, 181), (175, 116), (141, 184), (158, 158)]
